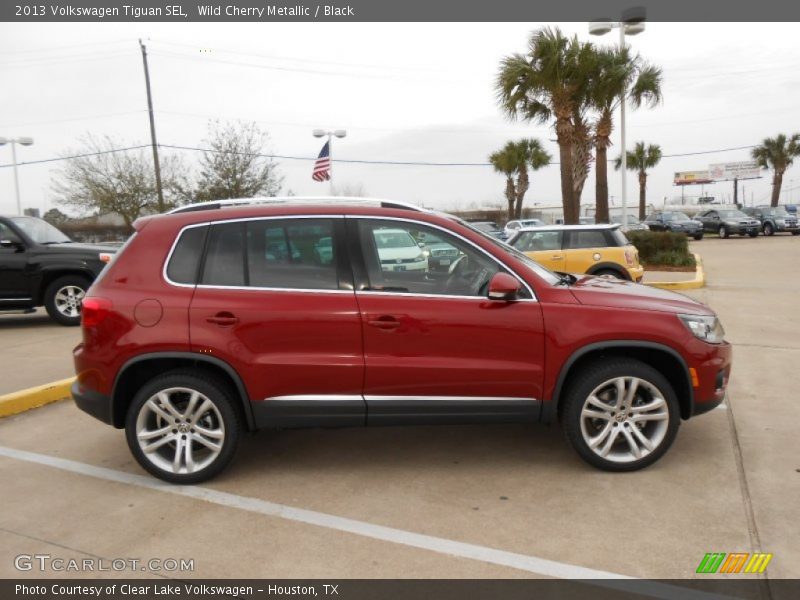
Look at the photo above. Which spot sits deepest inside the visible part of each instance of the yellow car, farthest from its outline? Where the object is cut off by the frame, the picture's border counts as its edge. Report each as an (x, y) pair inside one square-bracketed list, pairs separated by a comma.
[(590, 249)]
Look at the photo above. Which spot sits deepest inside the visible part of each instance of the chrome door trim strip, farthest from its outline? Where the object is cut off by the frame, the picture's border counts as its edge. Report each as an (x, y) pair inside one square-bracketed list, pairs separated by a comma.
[(321, 397), (389, 398)]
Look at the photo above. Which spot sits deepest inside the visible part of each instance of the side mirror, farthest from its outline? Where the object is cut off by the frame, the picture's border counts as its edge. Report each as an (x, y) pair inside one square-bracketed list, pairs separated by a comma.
[(504, 287)]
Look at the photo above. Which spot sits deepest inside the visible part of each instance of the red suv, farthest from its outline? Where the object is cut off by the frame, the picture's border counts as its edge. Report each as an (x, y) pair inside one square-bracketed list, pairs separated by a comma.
[(235, 316)]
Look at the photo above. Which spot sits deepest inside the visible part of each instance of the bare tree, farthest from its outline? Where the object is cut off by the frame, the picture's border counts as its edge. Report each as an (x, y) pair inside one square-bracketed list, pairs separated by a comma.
[(234, 165), (101, 179)]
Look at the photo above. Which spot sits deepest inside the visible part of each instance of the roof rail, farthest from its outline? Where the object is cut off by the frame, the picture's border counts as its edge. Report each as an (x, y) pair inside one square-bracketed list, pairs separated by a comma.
[(233, 202)]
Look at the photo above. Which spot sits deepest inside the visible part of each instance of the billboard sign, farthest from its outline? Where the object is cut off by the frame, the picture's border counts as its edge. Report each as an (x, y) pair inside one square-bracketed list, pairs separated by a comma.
[(736, 170), (692, 178)]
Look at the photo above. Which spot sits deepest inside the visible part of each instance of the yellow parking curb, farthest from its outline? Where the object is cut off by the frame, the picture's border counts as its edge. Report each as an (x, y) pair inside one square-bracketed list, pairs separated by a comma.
[(17, 402), (692, 284)]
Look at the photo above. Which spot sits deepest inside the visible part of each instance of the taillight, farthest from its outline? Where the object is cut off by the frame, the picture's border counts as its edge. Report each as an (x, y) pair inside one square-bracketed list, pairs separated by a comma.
[(630, 257), (94, 310)]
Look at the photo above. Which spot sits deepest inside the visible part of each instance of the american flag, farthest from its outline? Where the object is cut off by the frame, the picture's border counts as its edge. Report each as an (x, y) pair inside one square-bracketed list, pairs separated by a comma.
[(322, 168)]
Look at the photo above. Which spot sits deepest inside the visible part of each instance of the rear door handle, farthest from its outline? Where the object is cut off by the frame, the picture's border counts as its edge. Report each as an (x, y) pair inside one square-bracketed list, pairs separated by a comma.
[(224, 319), (385, 322)]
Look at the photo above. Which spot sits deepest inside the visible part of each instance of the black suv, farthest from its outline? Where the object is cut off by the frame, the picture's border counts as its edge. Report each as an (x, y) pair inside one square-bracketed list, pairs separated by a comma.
[(40, 266), (675, 221), (725, 221), (774, 219)]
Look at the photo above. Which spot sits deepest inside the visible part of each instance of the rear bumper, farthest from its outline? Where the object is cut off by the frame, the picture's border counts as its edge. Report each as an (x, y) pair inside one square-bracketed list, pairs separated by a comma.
[(94, 403)]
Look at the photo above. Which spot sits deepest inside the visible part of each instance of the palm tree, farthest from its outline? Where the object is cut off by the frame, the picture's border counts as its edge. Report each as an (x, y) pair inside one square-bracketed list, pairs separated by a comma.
[(641, 159), (506, 161), (546, 83), (778, 154), (617, 72), (514, 159)]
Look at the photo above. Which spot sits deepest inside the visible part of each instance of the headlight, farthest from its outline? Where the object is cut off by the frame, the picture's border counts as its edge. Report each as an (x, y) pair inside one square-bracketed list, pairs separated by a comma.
[(708, 329)]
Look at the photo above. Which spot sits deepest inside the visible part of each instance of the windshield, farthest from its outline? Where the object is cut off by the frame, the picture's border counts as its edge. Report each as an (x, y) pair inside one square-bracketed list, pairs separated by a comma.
[(484, 226), (776, 212), (732, 214), (675, 216), (40, 231), (542, 272), (531, 223)]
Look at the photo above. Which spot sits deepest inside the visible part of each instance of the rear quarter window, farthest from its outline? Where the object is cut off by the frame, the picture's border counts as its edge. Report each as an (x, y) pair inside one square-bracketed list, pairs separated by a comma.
[(185, 260)]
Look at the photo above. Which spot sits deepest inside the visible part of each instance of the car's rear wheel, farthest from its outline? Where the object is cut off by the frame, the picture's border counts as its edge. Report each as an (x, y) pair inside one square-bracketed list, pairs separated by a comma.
[(769, 229), (620, 415), (182, 427), (723, 232), (63, 298), (753, 234), (698, 236), (611, 272), (796, 233)]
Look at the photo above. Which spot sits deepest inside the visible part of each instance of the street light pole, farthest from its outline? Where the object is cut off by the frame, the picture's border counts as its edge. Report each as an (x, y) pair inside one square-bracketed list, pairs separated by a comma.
[(25, 141), (340, 133), (632, 23)]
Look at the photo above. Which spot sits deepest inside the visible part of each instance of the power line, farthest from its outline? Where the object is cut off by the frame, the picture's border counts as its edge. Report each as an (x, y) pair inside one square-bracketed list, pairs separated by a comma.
[(103, 116), (341, 160)]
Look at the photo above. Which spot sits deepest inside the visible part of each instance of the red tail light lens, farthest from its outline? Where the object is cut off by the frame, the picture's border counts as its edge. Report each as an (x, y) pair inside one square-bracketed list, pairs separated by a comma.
[(630, 257), (94, 310)]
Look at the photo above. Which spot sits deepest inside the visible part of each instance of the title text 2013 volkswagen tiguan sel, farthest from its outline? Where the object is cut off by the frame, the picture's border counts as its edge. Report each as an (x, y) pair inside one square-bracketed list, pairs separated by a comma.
[(235, 316)]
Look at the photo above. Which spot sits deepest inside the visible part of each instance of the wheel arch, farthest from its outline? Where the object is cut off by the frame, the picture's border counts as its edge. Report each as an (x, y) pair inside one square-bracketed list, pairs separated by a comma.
[(659, 356), (48, 276), (140, 369)]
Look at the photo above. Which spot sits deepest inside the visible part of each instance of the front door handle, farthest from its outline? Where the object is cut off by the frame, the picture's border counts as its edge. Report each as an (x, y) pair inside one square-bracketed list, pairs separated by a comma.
[(223, 319), (385, 322), (557, 257)]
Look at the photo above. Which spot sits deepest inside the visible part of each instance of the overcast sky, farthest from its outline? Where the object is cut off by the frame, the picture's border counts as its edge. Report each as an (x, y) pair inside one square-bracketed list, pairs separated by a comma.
[(404, 92)]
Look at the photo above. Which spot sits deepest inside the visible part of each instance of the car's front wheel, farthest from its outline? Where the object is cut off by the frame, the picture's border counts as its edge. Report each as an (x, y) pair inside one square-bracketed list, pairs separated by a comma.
[(620, 415), (182, 427), (63, 299), (769, 229), (698, 236), (723, 232)]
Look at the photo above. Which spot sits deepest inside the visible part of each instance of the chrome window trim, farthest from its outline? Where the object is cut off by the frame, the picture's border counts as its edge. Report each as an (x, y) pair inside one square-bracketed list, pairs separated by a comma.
[(491, 257), (233, 287), (533, 297), (14, 299)]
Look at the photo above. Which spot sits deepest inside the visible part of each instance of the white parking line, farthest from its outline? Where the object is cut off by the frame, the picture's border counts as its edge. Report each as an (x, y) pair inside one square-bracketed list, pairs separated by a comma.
[(530, 564)]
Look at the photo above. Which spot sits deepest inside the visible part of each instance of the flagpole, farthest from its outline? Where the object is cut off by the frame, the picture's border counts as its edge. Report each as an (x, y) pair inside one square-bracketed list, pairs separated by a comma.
[(330, 158), (340, 133)]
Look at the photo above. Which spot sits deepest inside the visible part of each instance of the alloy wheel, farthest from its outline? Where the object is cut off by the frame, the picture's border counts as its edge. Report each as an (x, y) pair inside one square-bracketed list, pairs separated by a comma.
[(68, 300), (624, 419), (180, 430)]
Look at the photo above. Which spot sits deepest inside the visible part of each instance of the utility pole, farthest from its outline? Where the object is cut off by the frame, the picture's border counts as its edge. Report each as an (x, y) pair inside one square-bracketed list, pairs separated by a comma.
[(161, 206), (736, 190)]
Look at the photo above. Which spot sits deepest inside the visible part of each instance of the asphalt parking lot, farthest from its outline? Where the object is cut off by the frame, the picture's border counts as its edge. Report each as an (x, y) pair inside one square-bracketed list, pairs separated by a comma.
[(444, 502)]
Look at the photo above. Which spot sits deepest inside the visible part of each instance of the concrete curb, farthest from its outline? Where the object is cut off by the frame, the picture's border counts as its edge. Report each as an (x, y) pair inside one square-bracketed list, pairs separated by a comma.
[(692, 284), (17, 402)]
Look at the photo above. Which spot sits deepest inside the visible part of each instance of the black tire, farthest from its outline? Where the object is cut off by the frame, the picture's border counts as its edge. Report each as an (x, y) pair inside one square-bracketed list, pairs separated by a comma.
[(62, 311), (612, 272), (698, 236), (602, 373), (224, 418), (723, 232), (753, 234), (769, 229), (796, 233)]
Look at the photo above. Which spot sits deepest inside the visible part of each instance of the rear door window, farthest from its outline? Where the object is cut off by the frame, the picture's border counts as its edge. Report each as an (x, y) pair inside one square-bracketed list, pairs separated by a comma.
[(224, 262), (534, 241), (587, 239)]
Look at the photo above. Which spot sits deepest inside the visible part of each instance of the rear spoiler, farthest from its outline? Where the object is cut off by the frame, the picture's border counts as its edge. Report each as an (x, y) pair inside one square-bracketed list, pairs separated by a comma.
[(142, 222)]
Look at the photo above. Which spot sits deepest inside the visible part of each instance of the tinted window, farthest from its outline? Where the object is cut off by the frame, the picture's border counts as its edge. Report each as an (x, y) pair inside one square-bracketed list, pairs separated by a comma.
[(224, 263), (291, 253), (411, 267), (587, 239), (40, 231), (185, 260), (534, 241), (7, 234), (619, 238)]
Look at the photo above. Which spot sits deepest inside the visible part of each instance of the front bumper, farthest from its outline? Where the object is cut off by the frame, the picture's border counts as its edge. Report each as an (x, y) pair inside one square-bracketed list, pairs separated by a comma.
[(712, 370), (94, 403)]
